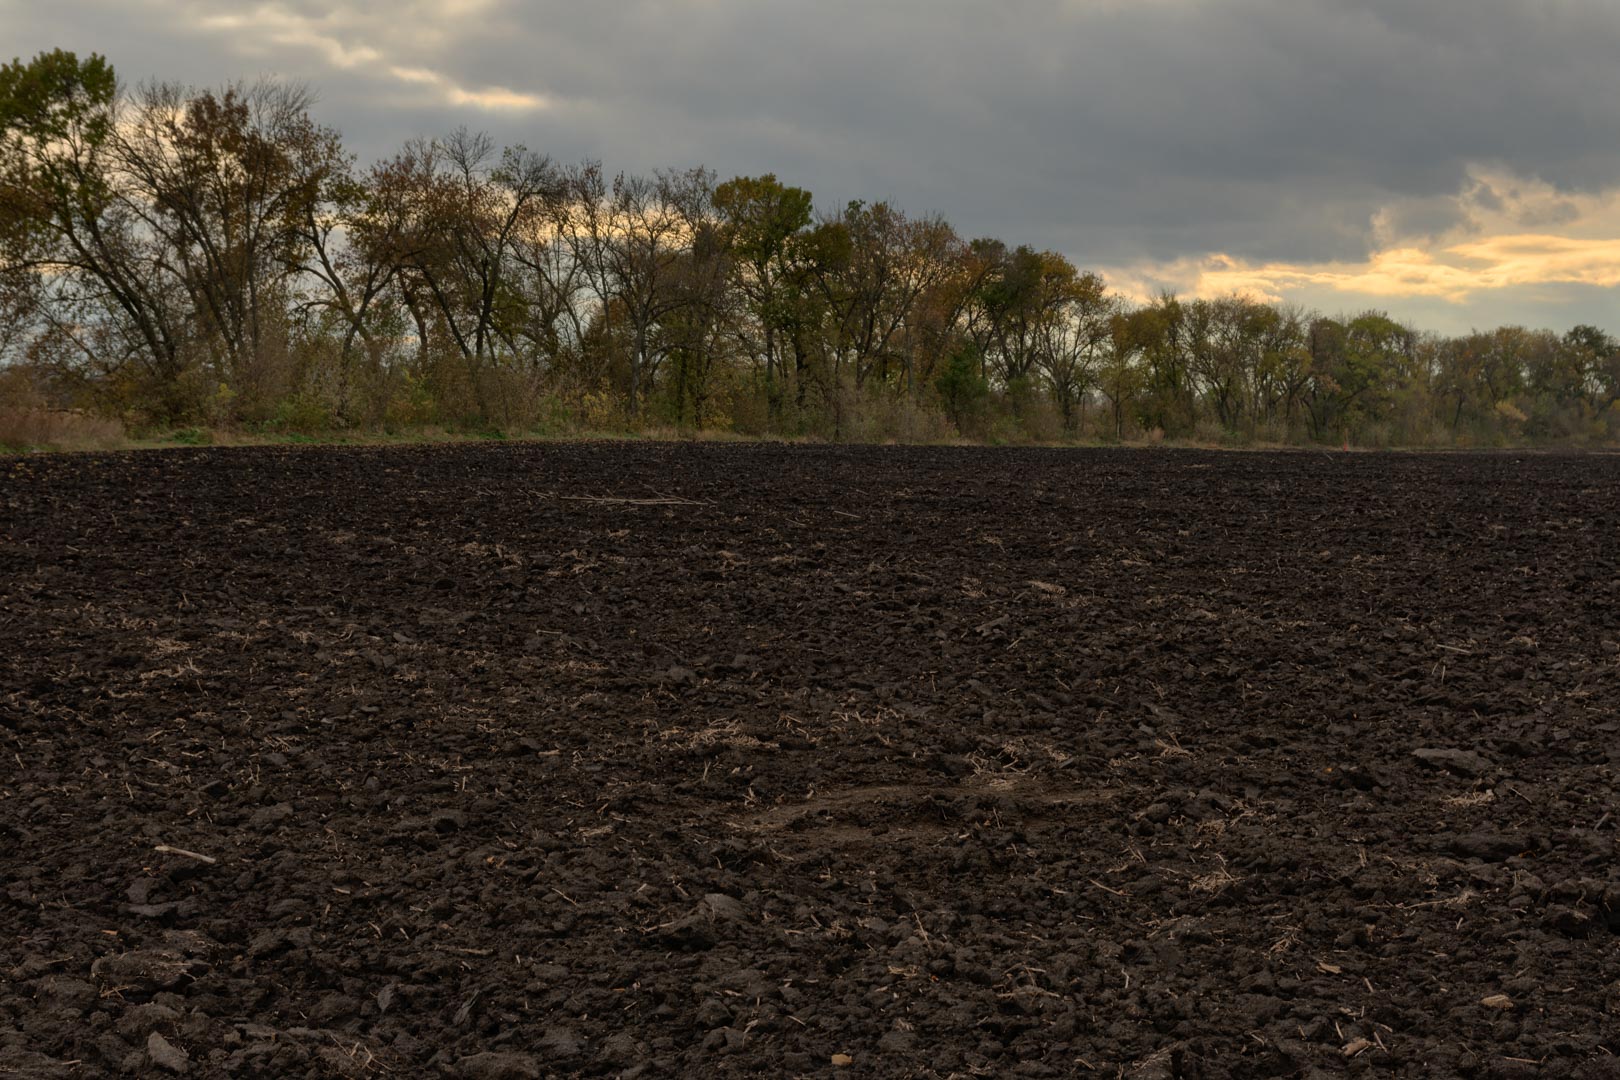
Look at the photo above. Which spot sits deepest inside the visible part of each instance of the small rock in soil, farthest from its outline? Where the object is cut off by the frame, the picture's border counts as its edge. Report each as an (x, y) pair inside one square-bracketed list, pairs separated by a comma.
[(271, 815), (713, 1014), (139, 1021), (722, 908), (1569, 922), (622, 1049), (1462, 762), (61, 992), (144, 972), (560, 1042), (166, 1055), (679, 676), (1491, 847)]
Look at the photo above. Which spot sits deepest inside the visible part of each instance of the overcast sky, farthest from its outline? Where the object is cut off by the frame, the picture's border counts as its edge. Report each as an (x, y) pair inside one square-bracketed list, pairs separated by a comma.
[(1456, 162)]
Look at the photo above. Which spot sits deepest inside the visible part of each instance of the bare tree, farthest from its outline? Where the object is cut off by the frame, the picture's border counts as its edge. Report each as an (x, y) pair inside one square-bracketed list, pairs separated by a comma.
[(224, 183), (360, 237), (1072, 341), (654, 222), (474, 208), (66, 220)]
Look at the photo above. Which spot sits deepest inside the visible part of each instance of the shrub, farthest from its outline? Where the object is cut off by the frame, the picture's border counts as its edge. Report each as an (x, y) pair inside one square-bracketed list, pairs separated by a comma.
[(963, 390), (29, 421), (41, 428), (303, 414)]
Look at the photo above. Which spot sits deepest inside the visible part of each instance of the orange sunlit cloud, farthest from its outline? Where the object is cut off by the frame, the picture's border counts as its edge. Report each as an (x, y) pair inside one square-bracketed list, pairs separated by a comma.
[(1501, 240)]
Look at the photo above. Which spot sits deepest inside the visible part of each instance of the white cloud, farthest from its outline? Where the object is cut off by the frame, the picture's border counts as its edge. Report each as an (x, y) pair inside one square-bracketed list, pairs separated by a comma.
[(489, 98), (374, 40)]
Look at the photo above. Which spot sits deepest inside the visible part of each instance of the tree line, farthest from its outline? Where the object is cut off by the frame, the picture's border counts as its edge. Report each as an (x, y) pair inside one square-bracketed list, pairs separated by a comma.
[(174, 256)]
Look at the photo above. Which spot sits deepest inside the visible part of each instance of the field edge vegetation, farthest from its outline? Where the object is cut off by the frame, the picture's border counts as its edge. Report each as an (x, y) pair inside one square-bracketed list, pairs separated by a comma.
[(180, 264)]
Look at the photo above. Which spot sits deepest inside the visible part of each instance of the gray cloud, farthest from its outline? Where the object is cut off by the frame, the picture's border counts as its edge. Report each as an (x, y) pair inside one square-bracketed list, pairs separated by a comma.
[(1271, 130)]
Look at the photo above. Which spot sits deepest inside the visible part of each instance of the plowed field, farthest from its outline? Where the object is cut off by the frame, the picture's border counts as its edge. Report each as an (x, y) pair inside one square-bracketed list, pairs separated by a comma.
[(508, 761)]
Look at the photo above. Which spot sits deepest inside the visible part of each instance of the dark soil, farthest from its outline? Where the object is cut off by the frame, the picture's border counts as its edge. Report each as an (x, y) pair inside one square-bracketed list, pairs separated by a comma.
[(852, 762)]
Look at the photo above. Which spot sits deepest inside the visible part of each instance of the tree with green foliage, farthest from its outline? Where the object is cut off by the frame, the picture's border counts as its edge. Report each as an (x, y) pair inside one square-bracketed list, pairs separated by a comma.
[(1355, 366), (1595, 356), (65, 218), (962, 387), (760, 217), (1029, 290), (1121, 377), (1169, 399)]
